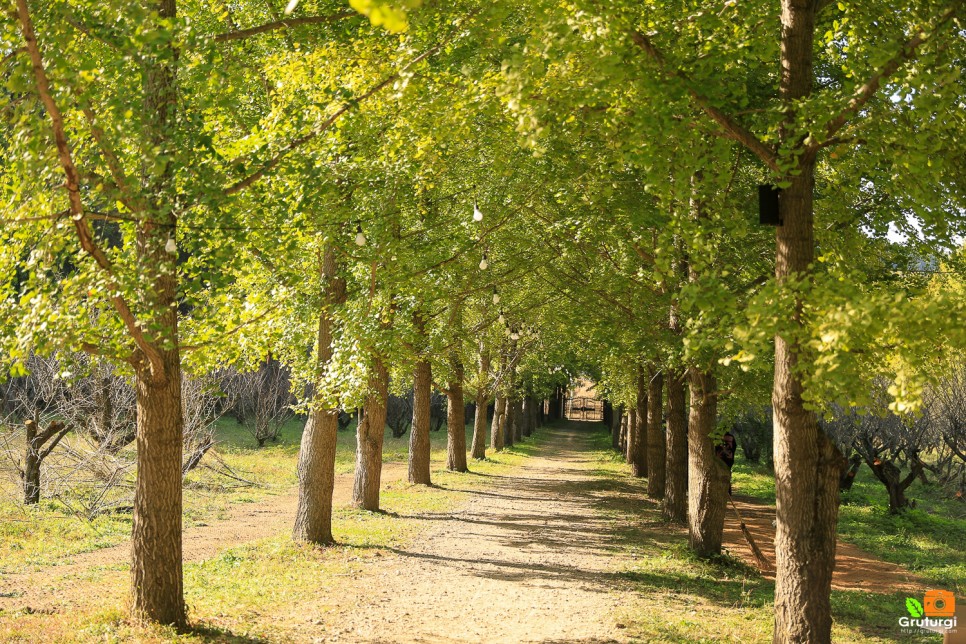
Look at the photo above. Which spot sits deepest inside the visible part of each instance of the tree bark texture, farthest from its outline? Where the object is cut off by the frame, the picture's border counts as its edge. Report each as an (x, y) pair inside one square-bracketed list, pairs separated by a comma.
[(631, 438), (480, 418), (806, 461), (456, 420), (615, 427), (509, 422), (316, 464), (35, 455), (675, 505), (707, 474), (156, 572), (638, 452), (622, 433), (479, 428), (496, 428), (419, 433), (529, 415), (369, 438), (656, 446)]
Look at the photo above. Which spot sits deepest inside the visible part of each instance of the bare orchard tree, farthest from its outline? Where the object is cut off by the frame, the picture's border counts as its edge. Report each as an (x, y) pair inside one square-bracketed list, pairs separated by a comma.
[(399, 413), (946, 410), (97, 403), (199, 404), (887, 443), (437, 411), (261, 400)]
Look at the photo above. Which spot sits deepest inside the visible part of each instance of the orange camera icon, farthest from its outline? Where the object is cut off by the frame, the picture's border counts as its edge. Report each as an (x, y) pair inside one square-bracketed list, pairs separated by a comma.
[(939, 603)]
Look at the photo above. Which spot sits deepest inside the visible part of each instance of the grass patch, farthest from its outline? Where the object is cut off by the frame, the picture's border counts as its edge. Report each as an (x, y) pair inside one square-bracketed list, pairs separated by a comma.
[(669, 595), (259, 591), (929, 539)]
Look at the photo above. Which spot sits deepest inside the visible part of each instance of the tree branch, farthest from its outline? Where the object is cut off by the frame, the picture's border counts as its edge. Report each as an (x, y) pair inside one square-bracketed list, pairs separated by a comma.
[(867, 91), (326, 124), (731, 127), (81, 226), (286, 23)]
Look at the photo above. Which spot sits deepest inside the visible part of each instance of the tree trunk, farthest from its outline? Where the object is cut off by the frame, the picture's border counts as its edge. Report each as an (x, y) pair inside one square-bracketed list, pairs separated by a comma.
[(656, 446), (496, 429), (707, 474), (806, 461), (625, 424), (638, 451), (369, 438), (156, 573), (480, 418), (419, 434), (675, 506), (316, 464), (529, 415), (889, 475), (456, 420), (630, 439), (479, 428), (615, 427), (510, 422), (31, 469), (518, 420)]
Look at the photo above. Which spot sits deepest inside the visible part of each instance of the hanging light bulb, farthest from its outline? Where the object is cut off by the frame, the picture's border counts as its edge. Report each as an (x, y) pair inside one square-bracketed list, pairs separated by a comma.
[(501, 319), (484, 263), (477, 215), (514, 335), (360, 237), (496, 296), (290, 7), (170, 247)]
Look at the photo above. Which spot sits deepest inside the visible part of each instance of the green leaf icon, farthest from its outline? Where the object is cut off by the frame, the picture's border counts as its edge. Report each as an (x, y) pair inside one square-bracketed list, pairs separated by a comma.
[(914, 607)]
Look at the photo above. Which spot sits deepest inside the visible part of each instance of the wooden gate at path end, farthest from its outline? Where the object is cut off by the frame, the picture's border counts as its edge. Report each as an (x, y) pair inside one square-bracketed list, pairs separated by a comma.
[(583, 408)]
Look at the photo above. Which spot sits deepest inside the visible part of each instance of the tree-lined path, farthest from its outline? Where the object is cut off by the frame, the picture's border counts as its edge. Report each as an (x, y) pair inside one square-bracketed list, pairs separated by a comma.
[(535, 551), (558, 548)]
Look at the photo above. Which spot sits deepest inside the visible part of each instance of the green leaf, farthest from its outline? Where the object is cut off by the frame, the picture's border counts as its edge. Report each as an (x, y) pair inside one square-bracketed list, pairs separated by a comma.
[(914, 607)]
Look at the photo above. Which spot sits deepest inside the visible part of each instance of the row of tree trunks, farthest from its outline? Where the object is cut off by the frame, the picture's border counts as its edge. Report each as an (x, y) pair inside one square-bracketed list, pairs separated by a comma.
[(316, 464), (369, 438)]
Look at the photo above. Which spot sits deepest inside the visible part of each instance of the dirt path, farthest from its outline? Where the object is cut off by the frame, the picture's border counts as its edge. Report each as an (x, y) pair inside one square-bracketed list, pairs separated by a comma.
[(529, 559), (855, 569), (44, 589)]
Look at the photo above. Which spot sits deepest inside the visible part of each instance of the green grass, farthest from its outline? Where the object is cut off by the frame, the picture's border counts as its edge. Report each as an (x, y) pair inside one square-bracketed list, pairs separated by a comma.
[(929, 539), (51, 532), (669, 595), (251, 592)]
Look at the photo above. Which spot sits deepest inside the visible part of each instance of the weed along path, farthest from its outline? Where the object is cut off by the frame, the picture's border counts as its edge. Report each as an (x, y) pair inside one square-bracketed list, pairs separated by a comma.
[(529, 558)]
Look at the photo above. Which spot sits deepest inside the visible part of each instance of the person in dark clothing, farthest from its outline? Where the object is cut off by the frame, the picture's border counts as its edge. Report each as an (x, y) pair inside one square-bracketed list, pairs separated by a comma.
[(725, 450)]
